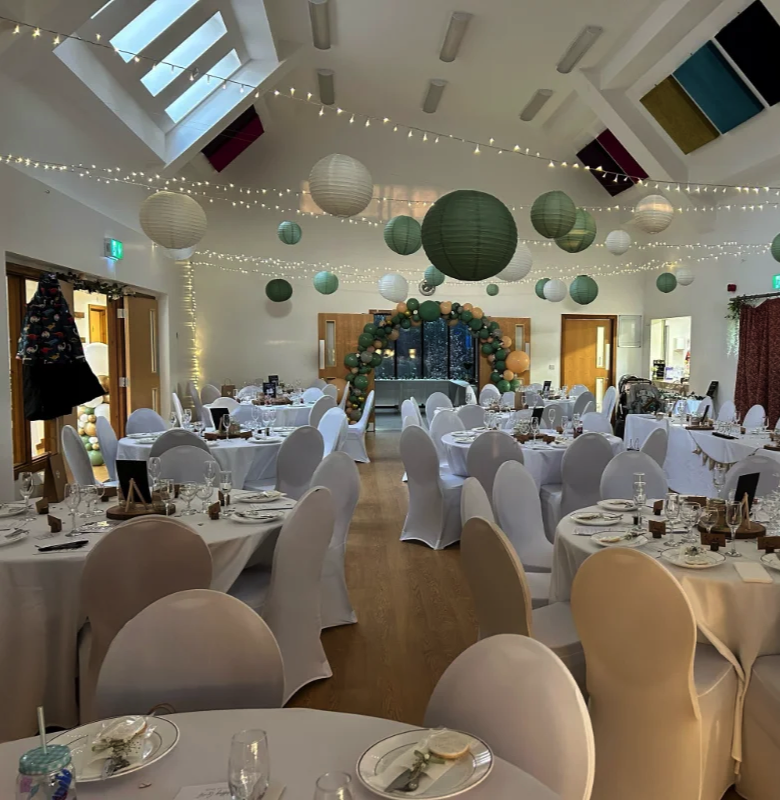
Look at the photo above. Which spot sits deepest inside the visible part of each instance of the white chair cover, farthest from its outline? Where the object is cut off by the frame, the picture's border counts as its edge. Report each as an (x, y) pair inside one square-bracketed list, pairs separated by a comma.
[(209, 393), (322, 404), (608, 402), (474, 502), (508, 399), (184, 464), (552, 416), (761, 731), (344, 396), (332, 391), (471, 395), (533, 399), (356, 435), (652, 691), (767, 468), (590, 408), (488, 452), (617, 481), (581, 402), (192, 390), (312, 394), (516, 694), (534, 387), (727, 411), (489, 393), (145, 420), (705, 404), (577, 390), (656, 444), (230, 403), (249, 392), (416, 407), (108, 445), (434, 502), (443, 422), (177, 408), (408, 420), (300, 454), (409, 410), (434, 401), (593, 421), (319, 383), (76, 457), (333, 427), (338, 474), (754, 417), (471, 417), (224, 657), (177, 437), (519, 513)]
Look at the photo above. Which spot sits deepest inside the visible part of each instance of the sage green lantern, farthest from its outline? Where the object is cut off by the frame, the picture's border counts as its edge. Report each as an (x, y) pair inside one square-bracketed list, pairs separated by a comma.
[(583, 290), (539, 288), (278, 290), (402, 235), (289, 232), (434, 277), (492, 289), (581, 236), (775, 248), (326, 282), (666, 282), (553, 214)]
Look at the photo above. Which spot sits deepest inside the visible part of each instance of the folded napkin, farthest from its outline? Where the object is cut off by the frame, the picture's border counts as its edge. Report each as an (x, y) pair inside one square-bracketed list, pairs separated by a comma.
[(751, 572)]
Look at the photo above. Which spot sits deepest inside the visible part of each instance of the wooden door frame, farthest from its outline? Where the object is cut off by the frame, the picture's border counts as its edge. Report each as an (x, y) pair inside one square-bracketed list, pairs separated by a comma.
[(613, 344), (102, 310)]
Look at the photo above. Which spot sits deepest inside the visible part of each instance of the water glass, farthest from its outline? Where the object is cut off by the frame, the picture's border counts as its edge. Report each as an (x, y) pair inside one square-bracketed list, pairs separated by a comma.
[(204, 492), (72, 501), (690, 516), (187, 492), (719, 477), (186, 417), (249, 770), (226, 423), (733, 520), (173, 419), (89, 493), (165, 489), (708, 518), (333, 786), (26, 488), (226, 486), (154, 467), (210, 471)]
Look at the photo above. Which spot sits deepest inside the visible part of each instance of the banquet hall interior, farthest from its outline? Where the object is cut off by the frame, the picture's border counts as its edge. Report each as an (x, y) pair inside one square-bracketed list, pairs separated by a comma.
[(392, 399)]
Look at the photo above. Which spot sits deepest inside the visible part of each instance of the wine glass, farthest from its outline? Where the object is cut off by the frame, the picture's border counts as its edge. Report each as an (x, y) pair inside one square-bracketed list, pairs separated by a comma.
[(671, 512), (198, 427), (249, 770), (26, 488), (534, 427), (154, 467), (226, 423), (165, 489), (255, 414), (89, 494), (173, 419), (204, 492), (690, 516), (226, 487), (188, 491), (718, 477), (100, 490), (733, 520), (333, 786), (564, 424), (186, 417), (210, 471), (72, 501), (709, 518)]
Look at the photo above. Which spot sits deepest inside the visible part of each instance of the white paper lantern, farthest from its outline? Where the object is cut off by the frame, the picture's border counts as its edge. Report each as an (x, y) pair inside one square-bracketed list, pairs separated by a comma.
[(653, 214), (340, 185), (684, 276), (519, 266), (618, 242), (394, 288), (555, 290), (182, 254), (172, 220)]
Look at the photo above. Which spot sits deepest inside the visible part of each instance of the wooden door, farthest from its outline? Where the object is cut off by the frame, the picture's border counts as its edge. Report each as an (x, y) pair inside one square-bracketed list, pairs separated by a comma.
[(338, 335), (98, 327), (142, 361), (518, 329), (588, 352)]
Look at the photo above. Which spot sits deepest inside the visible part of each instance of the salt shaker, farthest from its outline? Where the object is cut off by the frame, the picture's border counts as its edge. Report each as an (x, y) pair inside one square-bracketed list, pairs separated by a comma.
[(46, 774)]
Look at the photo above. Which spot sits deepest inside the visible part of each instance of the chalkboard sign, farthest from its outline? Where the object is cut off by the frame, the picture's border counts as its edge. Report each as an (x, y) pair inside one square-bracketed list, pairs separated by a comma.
[(269, 389), (537, 412), (126, 471), (216, 416), (546, 386), (659, 368), (713, 388), (273, 379), (746, 485)]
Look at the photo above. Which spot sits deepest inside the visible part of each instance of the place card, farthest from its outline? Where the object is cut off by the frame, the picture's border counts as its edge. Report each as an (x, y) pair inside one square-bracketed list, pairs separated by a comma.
[(657, 527), (109, 493), (768, 543), (218, 791), (42, 505), (214, 511), (55, 524), (696, 498), (658, 507), (713, 540)]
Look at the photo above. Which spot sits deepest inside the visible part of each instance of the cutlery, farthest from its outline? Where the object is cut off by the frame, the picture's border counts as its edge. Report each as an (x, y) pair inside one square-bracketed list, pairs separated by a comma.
[(52, 548)]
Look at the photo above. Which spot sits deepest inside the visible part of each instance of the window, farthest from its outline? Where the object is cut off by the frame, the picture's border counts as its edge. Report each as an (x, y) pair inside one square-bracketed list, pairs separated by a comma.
[(203, 87), (148, 25)]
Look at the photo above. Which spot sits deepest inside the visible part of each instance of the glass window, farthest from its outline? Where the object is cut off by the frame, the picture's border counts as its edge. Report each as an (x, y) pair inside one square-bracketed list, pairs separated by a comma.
[(408, 348), (203, 87), (148, 25), (435, 352)]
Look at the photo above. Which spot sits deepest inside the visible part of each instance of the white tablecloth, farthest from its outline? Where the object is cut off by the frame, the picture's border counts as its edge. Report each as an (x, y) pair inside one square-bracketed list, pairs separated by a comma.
[(303, 744), (251, 463), (286, 416), (40, 614)]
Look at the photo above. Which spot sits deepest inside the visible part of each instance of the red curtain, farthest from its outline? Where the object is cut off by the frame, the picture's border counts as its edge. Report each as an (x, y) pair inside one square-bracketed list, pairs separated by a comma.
[(758, 367)]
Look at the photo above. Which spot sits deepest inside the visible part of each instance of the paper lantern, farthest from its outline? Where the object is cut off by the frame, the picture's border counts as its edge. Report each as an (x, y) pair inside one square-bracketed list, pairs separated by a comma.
[(553, 214), (469, 235), (618, 242), (172, 220), (492, 289), (403, 236), (393, 287), (666, 282), (519, 266), (775, 248), (340, 185), (326, 282), (653, 214), (583, 290), (289, 232), (581, 236), (684, 276), (554, 290), (518, 361), (278, 290), (433, 277), (539, 288), (182, 254)]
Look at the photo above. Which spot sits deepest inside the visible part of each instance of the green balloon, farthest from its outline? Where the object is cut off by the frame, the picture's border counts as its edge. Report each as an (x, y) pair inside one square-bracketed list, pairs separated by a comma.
[(369, 328), (456, 306), (466, 316), (396, 319), (475, 324), (539, 288), (413, 304), (406, 323), (351, 360), (376, 360), (496, 343), (326, 282), (487, 349), (350, 376), (484, 333), (501, 354), (429, 311), (96, 458), (515, 384), (433, 277), (493, 325), (496, 377), (453, 315), (503, 386), (500, 365), (278, 290), (365, 369), (381, 333), (365, 340), (361, 382), (492, 289)]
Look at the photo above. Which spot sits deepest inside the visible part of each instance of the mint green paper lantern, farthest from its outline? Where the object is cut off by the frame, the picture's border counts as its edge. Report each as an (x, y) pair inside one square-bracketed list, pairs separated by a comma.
[(775, 248), (553, 214), (278, 290), (433, 277), (326, 282), (289, 232), (402, 235), (492, 289), (583, 290), (539, 288), (581, 236), (666, 282)]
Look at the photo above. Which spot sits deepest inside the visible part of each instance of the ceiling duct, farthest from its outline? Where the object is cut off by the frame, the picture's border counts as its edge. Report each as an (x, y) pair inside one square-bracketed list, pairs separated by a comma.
[(326, 86), (535, 104), (433, 96), (320, 23), (577, 49), (459, 21)]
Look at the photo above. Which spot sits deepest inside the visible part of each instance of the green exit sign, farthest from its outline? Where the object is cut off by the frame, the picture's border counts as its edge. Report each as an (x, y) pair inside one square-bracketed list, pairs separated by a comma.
[(776, 281), (114, 249)]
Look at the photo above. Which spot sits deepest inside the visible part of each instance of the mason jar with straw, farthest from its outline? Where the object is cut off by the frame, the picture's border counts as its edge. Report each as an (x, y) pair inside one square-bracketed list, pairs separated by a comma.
[(46, 772)]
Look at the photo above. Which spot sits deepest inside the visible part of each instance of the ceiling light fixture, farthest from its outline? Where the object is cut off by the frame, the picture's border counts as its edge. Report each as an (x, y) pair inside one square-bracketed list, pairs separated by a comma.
[(320, 24), (577, 49), (535, 104), (455, 33), (327, 88), (433, 95)]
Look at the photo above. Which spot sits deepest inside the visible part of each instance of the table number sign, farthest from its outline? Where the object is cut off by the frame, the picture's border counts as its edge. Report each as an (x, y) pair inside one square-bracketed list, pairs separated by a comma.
[(657, 527), (768, 543), (713, 540), (209, 791)]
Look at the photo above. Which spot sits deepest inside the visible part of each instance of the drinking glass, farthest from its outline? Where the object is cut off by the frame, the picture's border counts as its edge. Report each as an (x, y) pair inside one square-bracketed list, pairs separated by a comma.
[(534, 427), (226, 423), (690, 517), (26, 488), (708, 518), (719, 477), (226, 487), (204, 492), (671, 512), (165, 489), (188, 491), (333, 786), (565, 425), (733, 520), (100, 490), (186, 417), (198, 427), (173, 419), (255, 414), (89, 494), (72, 501), (210, 471), (248, 768), (154, 467)]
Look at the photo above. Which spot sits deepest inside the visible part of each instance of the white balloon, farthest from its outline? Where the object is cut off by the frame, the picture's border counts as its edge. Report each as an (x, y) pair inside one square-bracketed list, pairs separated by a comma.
[(653, 214), (555, 290), (172, 220), (394, 287), (684, 275), (519, 266), (618, 242), (340, 185)]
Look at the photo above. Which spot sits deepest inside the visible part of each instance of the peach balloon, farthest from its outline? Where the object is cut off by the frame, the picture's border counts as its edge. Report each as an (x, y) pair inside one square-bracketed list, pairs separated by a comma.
[(468, 307), (452, 322), (446, 307), (491, 359), (378, 344), (518, 361), (477, 312), (394, 334), (400, 308), (506, 342), (416, 323), (509, 375)]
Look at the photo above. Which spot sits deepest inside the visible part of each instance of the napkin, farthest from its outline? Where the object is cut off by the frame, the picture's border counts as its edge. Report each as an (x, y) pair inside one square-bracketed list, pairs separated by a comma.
[(750, 572)]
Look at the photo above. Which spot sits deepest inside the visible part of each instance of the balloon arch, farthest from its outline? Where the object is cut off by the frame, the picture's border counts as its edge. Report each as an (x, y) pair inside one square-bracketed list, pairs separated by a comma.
[(495, 345)]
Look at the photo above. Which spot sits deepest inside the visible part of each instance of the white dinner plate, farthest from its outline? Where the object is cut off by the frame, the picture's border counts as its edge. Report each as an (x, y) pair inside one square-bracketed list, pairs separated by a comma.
[(468, 771), (624, 539), (255, 516), (162, 740), (617, 505), (771, 560), (560, 445), (590, 518), (709, 558), (11, 509), (11, 536), (144, 435), (266, 440), (261, 497)]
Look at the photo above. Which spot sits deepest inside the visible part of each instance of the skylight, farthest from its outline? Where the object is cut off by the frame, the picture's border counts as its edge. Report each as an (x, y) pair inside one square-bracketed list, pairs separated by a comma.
[(102, 8), (186, 54), (148, 25), (203, 87)]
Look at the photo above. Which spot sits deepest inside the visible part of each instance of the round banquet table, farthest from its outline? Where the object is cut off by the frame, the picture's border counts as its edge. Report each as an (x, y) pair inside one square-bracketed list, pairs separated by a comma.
[(40, 612), (291, 416), (302, 744)]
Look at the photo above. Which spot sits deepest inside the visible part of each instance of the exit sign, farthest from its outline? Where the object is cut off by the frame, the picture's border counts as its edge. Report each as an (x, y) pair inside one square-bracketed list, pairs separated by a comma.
[(114, 249), (776, 281)]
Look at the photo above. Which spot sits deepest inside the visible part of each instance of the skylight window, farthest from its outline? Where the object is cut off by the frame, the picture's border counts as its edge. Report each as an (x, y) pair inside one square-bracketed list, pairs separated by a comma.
[(102, 8), (148, 25), (203, 87), (186, 54)]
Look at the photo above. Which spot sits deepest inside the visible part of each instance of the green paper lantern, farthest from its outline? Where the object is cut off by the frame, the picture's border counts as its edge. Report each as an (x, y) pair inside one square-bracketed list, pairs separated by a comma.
[(475, 324), (666, 282), (553, 214), (492, 289), (434, 277), (469, 235), (289, 232), (581, 236), (495, 377), (429, 311), (326, 282), (503, 386), (487, 349), (402, 235), (413, 304), (351, 360), (278, 290), (361, 382), (539, 288), (370, 328), (466, 316), (365, 340), (583, 290), (775, 248)]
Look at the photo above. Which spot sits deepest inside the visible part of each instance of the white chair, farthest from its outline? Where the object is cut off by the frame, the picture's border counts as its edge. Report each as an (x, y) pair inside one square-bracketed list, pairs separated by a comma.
[(312, 394), (608, 402), (409, 410), (516, 694), (192, 390), (577, 389), (534, 387), (209, 393), (408, 420), (508, 399), (754, 417), (444, 422), (471, 417), (128, 569), (434, 401), (299, 456), (289, 597), (356, 435), (652, 689), (656, 445), (598, 423), (705, 404), (333, 426), (552, 416), (581, 402), (433, 516), (249, 392), (727, 411), (474, 502), (322, 404), (338, 474), (487, 453), (331, 391), (319, 383), (767, 468), (590, 408), (488, 394), (533, 399), (108, 445), (344, 396), (617, 481), (230, 403), (77, 457), (177, 437), (184, 464), (178, 409), (145, 420), (502, 599), (225, 657), (471, 395), (761, 731)]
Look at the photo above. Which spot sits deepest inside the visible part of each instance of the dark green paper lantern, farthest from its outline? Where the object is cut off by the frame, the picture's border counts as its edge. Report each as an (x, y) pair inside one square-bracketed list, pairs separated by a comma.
[(539, 288), (434, 277), (581, 236), (289, 232), (553, 214), (469, 235), (429, 311), (402, 235), (775, 248), (492, 289), (326, 282), (278, 290), (413, 304), (583, 290), (666, 282)]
